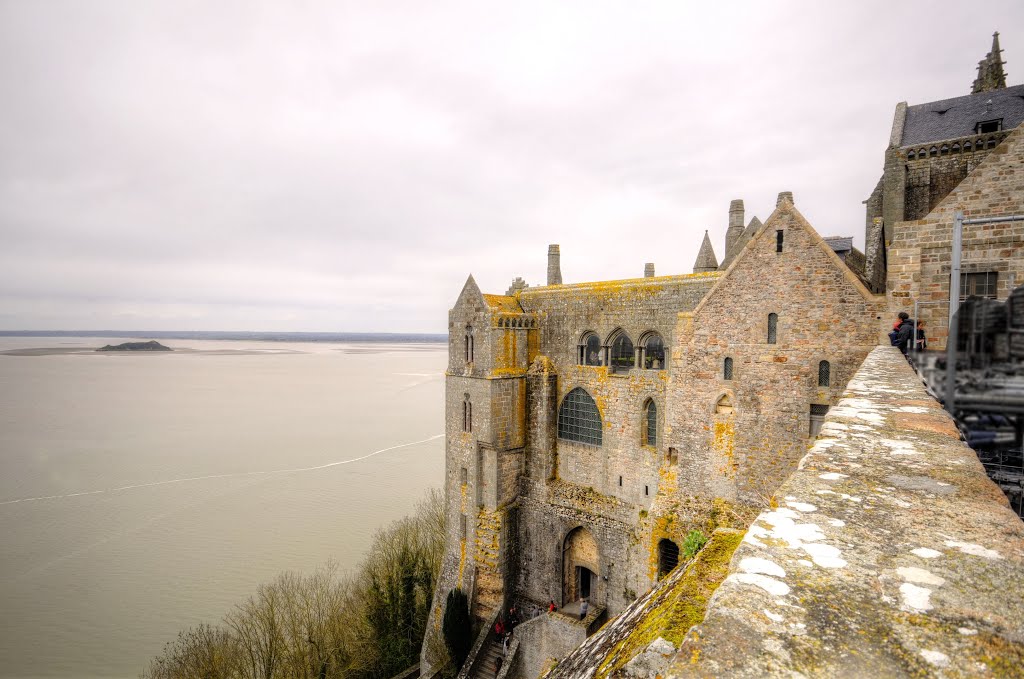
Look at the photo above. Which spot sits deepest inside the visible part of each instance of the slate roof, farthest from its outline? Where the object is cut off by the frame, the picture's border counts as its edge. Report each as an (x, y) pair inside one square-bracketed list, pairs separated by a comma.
[(839, 243), (925, 123)]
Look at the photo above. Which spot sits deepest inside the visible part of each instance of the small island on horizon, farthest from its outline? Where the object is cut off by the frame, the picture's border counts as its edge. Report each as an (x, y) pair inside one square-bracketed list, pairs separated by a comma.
[(151, 345)]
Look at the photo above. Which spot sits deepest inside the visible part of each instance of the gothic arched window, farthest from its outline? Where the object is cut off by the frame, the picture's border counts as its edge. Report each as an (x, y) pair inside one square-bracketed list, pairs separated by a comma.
[(622, 358), (654, 351), (650, 424), (469, 344), (824, 374), (579, 419), (590, 350), (467, 414)]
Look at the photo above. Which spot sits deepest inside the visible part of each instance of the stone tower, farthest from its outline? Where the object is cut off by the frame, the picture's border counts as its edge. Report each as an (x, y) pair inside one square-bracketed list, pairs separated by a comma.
[(554, 265), (706, 260), (735, 232), (990, 70)]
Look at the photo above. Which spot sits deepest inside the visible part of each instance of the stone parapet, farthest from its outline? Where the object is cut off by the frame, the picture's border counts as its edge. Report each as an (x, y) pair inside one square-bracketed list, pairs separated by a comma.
[(888, 552)]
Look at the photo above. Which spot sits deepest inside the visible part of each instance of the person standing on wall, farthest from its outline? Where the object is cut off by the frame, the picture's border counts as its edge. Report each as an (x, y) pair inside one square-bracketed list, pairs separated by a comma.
[(583, 609), (922, 341), (903, 333)]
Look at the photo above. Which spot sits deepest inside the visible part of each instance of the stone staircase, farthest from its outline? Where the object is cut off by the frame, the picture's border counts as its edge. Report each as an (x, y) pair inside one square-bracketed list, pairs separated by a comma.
[(485, 667)]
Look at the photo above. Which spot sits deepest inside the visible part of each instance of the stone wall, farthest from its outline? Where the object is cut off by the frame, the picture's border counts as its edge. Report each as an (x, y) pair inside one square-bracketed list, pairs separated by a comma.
[(738, 437), (920, 252), (889, 552)]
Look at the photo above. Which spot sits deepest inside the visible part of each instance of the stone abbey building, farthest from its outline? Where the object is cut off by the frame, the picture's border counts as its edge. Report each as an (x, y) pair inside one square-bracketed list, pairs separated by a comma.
[(591, 426)]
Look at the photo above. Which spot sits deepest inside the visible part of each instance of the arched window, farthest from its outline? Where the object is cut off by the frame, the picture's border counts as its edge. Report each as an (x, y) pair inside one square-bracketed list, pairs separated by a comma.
[(650, 424), (668, 557), (727, 369), (579, 419), (824, 374), (654, 352), (467, 414), (469, 344), (622, 358), (590, 350), (724, 405), (910, 154), (773, 327)]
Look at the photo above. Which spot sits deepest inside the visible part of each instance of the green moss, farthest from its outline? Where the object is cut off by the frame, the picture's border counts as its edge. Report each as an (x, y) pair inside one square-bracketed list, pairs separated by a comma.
[(680, 606)]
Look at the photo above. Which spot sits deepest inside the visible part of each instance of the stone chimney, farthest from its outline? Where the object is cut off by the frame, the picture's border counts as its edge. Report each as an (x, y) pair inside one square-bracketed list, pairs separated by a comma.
[(734, 232), (554, 265), (784, 196), (649, 270)]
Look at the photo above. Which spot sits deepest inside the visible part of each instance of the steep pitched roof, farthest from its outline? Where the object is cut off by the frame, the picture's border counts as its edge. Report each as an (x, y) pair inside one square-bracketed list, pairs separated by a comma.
[(786, 207), (958, 117), (706, 260)]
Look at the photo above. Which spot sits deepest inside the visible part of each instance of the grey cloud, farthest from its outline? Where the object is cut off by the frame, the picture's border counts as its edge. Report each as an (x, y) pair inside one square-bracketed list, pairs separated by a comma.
[(344, 166)]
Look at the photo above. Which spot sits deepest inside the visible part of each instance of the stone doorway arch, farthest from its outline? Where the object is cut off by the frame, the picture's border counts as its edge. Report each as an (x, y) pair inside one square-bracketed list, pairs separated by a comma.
[(580, 566)]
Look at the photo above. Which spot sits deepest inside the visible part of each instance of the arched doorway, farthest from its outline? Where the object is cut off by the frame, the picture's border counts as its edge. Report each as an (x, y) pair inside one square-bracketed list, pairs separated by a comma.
[(668, 557), (580, 566)]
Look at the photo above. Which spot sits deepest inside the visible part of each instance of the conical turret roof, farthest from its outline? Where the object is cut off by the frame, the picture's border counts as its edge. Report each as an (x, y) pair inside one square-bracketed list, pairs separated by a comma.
[(706, 260)]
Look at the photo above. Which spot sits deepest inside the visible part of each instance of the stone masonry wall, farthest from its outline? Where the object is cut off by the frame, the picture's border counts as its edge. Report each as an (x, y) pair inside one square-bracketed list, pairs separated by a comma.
[(919, 256), (888, 552), (824, 314)]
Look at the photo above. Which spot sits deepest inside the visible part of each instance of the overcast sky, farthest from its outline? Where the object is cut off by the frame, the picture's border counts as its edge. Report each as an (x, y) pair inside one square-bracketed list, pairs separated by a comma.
[(344, 166)]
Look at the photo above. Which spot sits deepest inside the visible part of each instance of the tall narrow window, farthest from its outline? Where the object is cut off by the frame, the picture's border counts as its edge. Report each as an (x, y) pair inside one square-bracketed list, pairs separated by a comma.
[(654, 352), (727, 369), (467, 414), (778, 240), (818, 413), (469, 344), (622, 355), (590, 350), (579, 419), (773, 327), (824, 374), (650, 434)]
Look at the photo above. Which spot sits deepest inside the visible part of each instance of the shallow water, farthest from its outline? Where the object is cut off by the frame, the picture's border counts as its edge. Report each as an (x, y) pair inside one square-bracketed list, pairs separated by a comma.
[(143, 493)]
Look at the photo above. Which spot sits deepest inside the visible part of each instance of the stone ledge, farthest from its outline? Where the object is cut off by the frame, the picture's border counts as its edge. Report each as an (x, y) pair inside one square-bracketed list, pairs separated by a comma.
[(888, 552)]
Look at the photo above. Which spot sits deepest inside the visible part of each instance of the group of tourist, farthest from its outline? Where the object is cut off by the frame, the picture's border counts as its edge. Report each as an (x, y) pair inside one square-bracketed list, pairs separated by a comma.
[(903, 333)]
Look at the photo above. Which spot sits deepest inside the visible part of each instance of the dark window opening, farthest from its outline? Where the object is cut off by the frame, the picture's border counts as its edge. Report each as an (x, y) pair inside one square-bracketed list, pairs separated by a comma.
[(778, 240), (654, 352), (818, 412), (773, 326), (982, 284), (651, 420), (620, 482), (824, 374), (647, 490), (469, 344), (727, 369), (668, 557), (622, 355), (579, 419), (590, 350), (467, 415), (988, 126)]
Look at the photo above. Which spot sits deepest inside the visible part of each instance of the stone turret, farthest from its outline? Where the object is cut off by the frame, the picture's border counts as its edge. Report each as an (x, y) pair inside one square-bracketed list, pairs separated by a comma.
[(649, 270), (706, 260), (554, 265), (784, 197), (734, 232), (990, 70)]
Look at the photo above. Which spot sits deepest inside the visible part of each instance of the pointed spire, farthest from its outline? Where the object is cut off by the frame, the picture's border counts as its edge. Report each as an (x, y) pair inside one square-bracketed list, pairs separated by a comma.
[(706, 260), (990, 70)]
